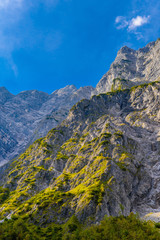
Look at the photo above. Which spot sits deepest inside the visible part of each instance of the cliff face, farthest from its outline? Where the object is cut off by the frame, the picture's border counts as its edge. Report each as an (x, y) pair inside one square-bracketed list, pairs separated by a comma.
[(103, 159), (31, 114), (138, 66)]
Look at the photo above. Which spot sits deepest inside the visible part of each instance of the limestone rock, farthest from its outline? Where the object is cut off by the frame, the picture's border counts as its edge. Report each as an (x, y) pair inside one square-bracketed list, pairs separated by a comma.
[(139, 66), (29, 115), (103, 159)]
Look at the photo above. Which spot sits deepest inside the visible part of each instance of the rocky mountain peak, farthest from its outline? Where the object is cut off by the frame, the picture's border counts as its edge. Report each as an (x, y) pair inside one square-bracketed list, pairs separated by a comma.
[(139, 66), (66, 90), (148, 47), (3, 89), (31, 114), (126, 49), (4, 95), (26, 95)]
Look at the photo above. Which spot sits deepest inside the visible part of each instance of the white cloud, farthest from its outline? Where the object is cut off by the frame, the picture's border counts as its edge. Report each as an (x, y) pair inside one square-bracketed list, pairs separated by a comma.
[(15, 35), (131, 24), (138, 22), (121, 22)]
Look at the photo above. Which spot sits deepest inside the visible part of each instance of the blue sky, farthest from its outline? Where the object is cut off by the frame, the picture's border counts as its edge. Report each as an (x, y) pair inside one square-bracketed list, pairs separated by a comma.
[(48, 44)]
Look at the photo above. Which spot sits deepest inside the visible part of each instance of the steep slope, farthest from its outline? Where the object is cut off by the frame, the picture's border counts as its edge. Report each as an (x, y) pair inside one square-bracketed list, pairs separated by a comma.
[(103, 159), (31, 114), (138, 66)]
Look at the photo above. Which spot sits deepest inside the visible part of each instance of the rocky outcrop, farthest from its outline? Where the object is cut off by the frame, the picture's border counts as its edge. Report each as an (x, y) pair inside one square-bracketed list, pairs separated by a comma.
[(31, 114), (138, 66)]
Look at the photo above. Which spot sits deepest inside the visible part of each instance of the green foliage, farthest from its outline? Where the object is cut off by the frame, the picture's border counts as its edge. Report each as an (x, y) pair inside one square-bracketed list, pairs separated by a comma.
[(121, 228), (157, 225), (143, 85), (118, 134), (54, 130), (96, 192), (111, 228), (4, 194), (61, 156)]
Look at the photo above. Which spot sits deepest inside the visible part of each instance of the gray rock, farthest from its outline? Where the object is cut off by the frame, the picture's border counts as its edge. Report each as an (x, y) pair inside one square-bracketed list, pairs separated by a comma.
[(103, 159), (29, 115), (138, 66)]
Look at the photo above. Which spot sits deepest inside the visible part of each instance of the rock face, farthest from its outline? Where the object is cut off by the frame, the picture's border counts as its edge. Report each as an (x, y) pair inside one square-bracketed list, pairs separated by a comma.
[(31, 114), (103, 159), (138, 66)]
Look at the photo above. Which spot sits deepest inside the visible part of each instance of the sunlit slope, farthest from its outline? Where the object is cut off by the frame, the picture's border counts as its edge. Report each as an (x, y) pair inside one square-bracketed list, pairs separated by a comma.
[(102, 160)]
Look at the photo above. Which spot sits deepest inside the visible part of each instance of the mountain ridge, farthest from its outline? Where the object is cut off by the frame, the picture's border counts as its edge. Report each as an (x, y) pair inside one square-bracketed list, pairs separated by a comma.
[(139, 66), (45, 111), (23, 114), (103, 159), (82, 165)]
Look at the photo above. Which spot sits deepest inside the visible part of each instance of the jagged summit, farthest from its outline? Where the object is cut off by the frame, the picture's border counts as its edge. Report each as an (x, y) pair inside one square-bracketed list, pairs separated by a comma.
[(65, 90), (31, 114), (143, 49), (5, 95), (139, 66), (125, 49), (3, 89)]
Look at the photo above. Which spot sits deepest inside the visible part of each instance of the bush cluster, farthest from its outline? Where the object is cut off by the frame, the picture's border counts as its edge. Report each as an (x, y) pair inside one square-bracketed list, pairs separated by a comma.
[(111, 228)]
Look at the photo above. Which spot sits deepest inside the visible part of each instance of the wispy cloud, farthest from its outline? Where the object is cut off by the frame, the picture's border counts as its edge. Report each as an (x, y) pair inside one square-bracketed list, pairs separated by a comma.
[(15, 35), (121, 22), (138, 22), (141, 21), (131, 24), (11, 12)]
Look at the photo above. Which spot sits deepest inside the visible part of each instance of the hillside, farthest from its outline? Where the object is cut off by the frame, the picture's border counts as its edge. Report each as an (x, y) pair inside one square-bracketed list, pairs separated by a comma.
[(102, 160)]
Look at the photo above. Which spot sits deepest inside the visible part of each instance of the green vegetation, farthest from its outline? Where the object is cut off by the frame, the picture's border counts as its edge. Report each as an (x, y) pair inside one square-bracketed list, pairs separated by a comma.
[(4, 194), (110, 228), (144, 85), (55, 130), (118, 84), (96, 192), (61, 156), (85, 180)]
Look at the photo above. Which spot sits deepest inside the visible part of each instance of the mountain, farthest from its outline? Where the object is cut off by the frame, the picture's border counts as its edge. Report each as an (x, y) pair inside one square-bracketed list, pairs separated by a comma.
[(31, 114), (102, 160), (137, 66)]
